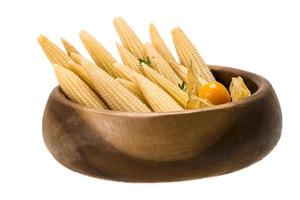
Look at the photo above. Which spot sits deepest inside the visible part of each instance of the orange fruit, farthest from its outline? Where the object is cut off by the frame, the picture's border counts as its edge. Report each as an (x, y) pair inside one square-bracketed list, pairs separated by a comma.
[(215, 92)]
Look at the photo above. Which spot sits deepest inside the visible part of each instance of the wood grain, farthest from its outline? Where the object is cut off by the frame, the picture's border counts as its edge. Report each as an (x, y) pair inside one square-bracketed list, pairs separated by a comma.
[(173, 146)]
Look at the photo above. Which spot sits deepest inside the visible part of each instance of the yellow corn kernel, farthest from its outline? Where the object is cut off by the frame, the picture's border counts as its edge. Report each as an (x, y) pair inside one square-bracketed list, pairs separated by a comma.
[(188, 53), (179, 95), (128, 58), (123, 71), (69, 47), (115, 95), (54, 54), (76, 90), (133, 88), (160, 64), (99, 54), (157, 98), (80, 71), (128, 38)]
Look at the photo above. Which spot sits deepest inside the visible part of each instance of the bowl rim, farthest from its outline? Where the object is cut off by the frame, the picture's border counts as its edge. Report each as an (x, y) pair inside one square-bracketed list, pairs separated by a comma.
[(262, 86)]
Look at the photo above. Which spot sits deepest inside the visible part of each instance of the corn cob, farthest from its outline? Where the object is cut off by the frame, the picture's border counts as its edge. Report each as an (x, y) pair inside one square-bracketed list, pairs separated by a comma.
[(80, 71), (99, 54), (161, 65), (76, 90), (69, 47), (54, 54), (182, 51), (180, 96), (158, 99), (128, 58), (76, 57), (133, 88), (123, 71), (77, 68), (130, 86), (128, 38), (115, 95), (183, 58), (160, 45), (181, 71), (189, 53), (162, 48)]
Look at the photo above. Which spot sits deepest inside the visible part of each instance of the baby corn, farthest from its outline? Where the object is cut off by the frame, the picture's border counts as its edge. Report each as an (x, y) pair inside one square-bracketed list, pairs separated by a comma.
[(132, 87), (180, 96), (99, 54), (114, 94), (179, 39), (161, 65), (160, 45), (80, 71), (128, 59), (69, 47), (123, 71), (157, 98), (181, 71), (150, 78), (183, 58), (76, 90), (76, 58), (54, 54), (189, 53), (128, 38)]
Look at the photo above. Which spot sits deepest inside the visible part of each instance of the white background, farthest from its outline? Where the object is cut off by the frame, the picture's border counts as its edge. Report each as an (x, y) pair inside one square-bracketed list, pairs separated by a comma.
[(259, 36)]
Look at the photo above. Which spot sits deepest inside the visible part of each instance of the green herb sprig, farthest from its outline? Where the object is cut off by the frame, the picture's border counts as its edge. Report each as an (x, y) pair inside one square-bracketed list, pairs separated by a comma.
[(146, 61), (182, 86)]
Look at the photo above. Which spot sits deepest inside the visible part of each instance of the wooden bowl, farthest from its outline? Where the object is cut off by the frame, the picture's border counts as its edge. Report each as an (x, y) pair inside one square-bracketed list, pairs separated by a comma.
[(172, 146)]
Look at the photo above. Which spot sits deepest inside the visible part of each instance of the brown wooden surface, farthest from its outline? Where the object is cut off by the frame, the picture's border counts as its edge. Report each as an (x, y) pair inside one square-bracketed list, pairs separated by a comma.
[(152, 147)]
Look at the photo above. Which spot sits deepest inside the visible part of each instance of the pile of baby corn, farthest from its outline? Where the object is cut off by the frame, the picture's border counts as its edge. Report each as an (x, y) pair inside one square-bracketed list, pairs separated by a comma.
[(149, 78)]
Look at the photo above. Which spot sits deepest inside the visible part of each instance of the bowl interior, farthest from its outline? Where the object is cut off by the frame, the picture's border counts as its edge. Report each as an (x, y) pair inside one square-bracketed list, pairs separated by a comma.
[(224, 77)]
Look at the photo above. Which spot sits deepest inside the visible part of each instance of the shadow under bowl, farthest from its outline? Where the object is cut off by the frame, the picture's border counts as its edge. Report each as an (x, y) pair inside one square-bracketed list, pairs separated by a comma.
[(171, 146)]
